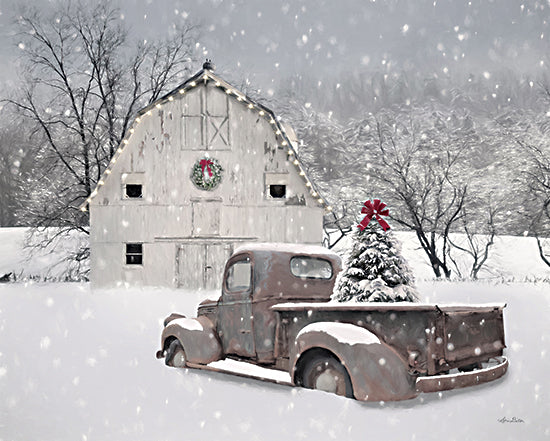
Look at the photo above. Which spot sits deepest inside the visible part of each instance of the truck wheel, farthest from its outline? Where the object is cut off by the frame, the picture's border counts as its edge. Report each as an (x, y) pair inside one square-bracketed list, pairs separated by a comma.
[(175, 355), (323, 371)]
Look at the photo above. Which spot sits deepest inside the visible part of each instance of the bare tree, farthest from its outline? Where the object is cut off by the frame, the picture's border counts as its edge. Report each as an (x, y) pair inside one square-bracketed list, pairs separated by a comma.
[(542, 245), (539, 184), (16, 165), (477, 244), (529, 131), (84, 82), (8, 190), (418, 171), (336, 225), (539, 181)]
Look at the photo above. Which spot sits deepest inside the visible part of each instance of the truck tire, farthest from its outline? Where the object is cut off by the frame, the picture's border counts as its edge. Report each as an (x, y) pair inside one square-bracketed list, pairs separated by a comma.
[(175, 355), (321, 370)]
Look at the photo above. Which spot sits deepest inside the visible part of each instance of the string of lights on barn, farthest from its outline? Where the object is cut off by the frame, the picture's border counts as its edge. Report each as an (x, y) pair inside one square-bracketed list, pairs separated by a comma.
[(207, 75)]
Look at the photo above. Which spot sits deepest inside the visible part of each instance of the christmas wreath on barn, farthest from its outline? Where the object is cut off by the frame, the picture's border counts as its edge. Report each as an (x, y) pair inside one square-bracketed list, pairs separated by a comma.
[(206, 173)]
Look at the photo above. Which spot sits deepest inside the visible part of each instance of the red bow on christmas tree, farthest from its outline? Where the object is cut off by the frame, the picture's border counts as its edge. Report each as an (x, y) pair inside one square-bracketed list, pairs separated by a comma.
[(206, 163), (377, 209)]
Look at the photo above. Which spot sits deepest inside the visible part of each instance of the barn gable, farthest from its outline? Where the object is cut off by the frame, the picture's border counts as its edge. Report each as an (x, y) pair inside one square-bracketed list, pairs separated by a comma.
[(153, 219)]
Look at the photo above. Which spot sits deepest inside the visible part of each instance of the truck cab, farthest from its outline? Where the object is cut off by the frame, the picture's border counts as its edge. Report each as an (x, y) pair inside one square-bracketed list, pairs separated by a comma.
[(275, 311), (255, 279)]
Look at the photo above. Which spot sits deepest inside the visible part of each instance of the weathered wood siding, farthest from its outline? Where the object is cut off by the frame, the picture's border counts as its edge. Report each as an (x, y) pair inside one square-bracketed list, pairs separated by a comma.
[(186, 232)]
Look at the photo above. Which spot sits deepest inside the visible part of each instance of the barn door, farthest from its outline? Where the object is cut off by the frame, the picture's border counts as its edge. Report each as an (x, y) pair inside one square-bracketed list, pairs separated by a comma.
[(215, 257), (200, 266), (190, 261)]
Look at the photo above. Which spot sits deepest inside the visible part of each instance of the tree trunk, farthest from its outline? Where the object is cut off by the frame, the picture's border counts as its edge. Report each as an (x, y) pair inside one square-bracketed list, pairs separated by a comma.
[(543, 256)]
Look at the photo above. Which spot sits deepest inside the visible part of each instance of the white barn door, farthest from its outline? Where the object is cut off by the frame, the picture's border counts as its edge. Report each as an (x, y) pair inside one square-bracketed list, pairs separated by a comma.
[(200, 266), (216, 255)]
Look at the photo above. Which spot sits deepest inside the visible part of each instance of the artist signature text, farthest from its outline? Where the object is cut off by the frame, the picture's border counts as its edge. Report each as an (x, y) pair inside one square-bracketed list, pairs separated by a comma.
[(510, 420)]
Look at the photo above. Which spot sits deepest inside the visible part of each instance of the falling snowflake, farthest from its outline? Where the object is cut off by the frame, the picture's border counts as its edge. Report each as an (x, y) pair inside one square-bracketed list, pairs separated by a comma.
[(45, 343)]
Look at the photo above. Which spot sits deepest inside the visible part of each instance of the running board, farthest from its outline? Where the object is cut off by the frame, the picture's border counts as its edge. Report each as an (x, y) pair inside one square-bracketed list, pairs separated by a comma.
[(245, 370)]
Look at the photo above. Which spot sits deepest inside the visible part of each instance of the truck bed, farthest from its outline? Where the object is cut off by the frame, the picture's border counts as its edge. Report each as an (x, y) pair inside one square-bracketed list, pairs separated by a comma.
[(443, 336)]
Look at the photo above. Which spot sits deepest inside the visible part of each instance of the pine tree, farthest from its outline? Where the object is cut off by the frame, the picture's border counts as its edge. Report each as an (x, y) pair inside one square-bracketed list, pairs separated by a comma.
[(375, 270)]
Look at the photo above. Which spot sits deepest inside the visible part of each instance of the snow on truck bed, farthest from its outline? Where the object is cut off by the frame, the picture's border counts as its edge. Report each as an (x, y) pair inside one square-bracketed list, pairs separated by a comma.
[(380, 306), (344, 332)]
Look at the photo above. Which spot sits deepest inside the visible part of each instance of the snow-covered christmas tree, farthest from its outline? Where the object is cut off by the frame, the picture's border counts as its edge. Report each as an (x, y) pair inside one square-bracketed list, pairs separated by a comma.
[(375, 271)]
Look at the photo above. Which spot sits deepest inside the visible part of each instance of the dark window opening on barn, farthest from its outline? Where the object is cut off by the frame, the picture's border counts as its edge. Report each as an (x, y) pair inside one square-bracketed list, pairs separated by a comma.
[(134, 191), (134, 254), (277, 191)]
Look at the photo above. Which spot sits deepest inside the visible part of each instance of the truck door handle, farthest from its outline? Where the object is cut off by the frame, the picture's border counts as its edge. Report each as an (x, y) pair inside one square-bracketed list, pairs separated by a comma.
[(244, 331)]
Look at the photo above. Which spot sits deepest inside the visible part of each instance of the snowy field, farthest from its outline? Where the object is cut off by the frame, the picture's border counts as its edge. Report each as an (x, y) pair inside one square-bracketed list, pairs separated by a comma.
[(79, 365)]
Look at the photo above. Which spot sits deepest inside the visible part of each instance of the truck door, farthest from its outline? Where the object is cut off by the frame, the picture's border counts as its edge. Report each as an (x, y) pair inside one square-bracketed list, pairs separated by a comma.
[(235, 325)]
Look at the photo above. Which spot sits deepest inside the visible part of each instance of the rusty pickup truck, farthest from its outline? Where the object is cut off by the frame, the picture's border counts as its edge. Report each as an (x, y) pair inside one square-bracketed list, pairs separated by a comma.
[(275, 311)]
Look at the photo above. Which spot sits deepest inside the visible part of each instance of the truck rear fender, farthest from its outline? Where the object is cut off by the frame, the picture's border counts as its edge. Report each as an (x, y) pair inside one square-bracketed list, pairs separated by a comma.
[(377, 373), (197, 336)]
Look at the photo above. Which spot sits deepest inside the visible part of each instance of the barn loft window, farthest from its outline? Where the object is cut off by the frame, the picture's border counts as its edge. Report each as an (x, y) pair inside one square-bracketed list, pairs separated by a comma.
[(205, 120), (276, 185), (277, 191), (134, 254), (134, 191)]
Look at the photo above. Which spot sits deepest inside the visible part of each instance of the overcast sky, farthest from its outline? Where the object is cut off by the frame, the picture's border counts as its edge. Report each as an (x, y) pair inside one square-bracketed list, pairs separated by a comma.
[(269, 40)]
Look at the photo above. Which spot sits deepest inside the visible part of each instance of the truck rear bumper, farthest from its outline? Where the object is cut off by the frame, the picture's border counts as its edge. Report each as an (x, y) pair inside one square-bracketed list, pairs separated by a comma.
[(438, 383)]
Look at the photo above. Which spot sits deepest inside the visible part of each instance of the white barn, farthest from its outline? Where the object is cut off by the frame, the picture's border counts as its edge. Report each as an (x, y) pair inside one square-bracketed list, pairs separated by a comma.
[(201, 171)]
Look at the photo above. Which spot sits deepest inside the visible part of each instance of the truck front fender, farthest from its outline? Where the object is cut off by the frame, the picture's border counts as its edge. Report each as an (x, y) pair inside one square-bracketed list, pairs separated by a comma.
[(197, 336), (377, 373)]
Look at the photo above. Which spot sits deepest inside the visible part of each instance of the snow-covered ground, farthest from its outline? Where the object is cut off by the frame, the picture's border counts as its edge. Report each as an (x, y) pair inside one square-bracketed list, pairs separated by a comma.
[(47, 263), (77, 364)]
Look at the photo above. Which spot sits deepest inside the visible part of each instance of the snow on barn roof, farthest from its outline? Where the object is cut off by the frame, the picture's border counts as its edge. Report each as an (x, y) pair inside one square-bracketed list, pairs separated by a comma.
[(285, 136)]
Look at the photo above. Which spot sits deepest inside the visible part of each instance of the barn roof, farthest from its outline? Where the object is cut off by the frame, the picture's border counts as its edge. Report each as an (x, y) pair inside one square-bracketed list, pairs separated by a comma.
[(284, 135)]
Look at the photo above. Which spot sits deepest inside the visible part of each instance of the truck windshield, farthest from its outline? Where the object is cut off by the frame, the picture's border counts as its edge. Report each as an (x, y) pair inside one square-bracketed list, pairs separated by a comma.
[(239, 276), (310, 267)]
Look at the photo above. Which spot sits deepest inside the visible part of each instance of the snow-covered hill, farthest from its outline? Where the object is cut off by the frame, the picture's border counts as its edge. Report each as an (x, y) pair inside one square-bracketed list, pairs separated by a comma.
[(45, 263), (79, 365), (511, 258)]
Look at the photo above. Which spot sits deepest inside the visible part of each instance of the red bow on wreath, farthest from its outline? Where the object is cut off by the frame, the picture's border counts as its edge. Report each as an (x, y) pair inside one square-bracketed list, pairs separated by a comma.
[(206, 163), (377, 209)]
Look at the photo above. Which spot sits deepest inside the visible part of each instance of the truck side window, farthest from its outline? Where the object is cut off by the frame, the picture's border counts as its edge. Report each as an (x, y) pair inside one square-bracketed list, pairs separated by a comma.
[(310, 267), (239, 276)]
